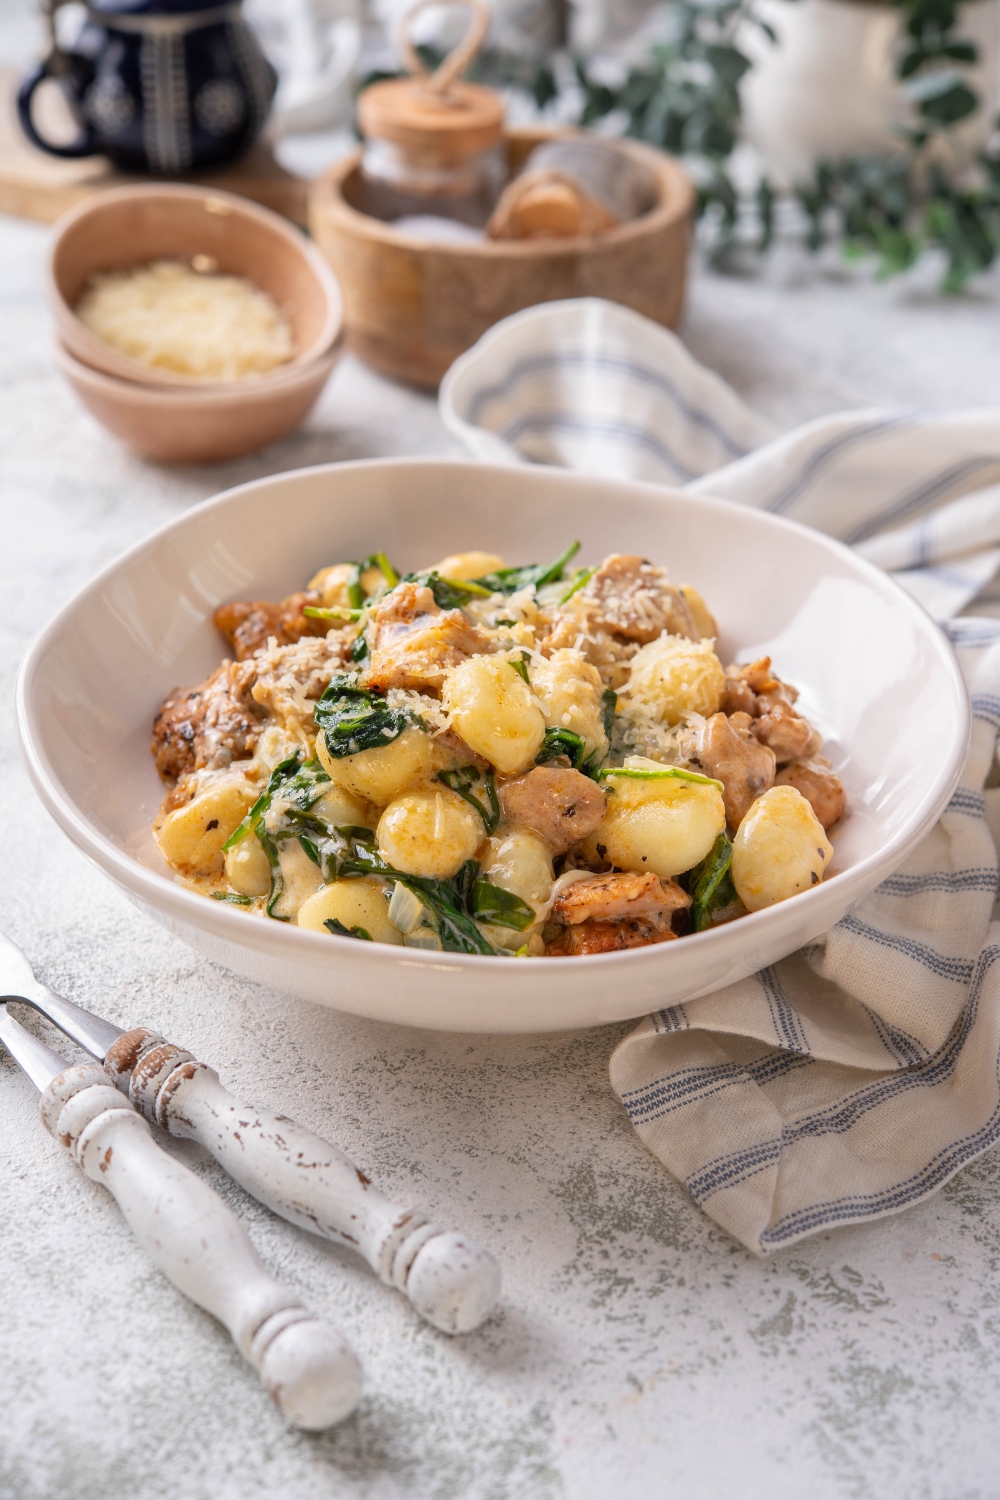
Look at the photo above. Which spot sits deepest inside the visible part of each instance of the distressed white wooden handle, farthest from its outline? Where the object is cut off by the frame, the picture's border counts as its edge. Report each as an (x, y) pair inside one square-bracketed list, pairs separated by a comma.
[(305, 1366), (449, 1279)]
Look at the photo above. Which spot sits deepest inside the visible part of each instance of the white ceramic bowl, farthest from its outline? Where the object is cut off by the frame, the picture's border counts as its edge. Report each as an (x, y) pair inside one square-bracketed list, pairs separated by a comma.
[(876, 675)]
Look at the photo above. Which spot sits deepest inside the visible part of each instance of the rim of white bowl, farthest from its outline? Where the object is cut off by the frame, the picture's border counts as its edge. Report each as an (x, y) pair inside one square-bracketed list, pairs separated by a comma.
[(196, 910)]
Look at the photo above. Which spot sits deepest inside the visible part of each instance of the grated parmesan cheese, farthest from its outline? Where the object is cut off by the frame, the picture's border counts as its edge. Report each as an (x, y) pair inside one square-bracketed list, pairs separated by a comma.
[(172, 317)]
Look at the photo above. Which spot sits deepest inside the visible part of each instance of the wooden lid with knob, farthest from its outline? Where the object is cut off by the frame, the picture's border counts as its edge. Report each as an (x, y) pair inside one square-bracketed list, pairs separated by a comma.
[(432, 116)]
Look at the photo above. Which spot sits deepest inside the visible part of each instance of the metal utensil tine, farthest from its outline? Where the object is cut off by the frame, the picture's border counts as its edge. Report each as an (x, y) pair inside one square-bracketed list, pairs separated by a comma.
[(32, 1056), (88, 1031), (17, 982)]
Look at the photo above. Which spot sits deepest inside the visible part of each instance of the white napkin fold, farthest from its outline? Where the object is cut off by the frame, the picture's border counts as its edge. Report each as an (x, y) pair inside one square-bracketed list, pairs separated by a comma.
[(857, 1076)]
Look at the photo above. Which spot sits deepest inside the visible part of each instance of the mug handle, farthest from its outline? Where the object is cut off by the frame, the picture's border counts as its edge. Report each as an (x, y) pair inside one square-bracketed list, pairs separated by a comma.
[(85, 145)]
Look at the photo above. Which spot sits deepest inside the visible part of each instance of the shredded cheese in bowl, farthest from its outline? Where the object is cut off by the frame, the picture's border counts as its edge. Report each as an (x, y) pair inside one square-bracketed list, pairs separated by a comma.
[(187, 319)]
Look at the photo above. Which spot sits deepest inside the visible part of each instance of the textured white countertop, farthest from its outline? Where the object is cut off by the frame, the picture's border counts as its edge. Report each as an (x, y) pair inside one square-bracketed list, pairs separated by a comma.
[(639, 1351)]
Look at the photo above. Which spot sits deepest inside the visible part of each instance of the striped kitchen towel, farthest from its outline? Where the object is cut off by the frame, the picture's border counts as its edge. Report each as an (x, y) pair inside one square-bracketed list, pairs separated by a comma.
[(857, 1076)]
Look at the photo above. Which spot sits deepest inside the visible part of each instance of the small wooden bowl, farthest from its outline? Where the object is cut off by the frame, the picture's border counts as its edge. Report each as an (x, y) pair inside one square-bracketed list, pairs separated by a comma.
[(413, 306), (200, 425), (132, 226)]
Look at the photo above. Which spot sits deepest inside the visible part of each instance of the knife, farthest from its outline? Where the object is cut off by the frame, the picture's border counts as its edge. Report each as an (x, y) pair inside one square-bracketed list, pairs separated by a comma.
[(448, 1278), (305, 1366)]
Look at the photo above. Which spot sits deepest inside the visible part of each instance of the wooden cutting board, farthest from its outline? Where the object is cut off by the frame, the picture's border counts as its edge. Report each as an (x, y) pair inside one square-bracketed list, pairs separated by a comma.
[(34, 185)]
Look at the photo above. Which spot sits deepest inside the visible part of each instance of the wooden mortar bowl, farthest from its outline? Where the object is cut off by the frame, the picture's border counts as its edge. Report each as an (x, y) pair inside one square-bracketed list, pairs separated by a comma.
[(412, 306)]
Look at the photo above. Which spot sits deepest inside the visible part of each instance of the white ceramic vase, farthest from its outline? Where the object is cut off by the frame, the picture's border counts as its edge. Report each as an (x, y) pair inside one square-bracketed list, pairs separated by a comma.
[(829, 89)]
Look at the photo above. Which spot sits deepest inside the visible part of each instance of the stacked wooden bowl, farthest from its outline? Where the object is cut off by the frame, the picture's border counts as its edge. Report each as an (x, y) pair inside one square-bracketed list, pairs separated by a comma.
[(412, 306), (181, 418)]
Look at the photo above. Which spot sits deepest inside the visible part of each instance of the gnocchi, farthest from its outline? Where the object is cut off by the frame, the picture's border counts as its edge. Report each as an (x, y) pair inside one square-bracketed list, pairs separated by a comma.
[(672, 677), (381, 774), (455, 763), (353, 903), (520, 862), (430, 833), (191, 838), (780, 849), (494, 710), (569, 691), (657, 821)]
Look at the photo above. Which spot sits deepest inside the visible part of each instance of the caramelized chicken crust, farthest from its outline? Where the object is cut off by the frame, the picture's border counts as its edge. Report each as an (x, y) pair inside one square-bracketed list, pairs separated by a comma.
[(209, 726), (609, 937), (728, 751), (819, 785), (608, 898), (249, 625), (413, 642)]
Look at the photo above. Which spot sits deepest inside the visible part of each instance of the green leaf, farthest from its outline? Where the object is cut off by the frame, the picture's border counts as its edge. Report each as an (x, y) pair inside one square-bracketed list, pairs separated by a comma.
[(463, 780), (562, 742), (334, 925), (521, 668), (232, 898), (500, 908), (449, 593), (281, 773), (943, 98), (667, 773), (581, 578), (352, 719), (510, 580), (609, 705), (710, 884), (314, 612)]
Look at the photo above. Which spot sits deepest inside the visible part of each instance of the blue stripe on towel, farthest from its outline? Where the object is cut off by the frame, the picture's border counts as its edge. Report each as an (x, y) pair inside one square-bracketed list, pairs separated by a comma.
[(986, 706), (973, 804), (824, 455), (899, 1044), (983, 878), (957, 970), (672, 1091), (635, 437), (971, 633), (614, 365), (925, 493), (672, 1018), (728, 1171), (935, 1172), (784, 1016), (840, 1118)]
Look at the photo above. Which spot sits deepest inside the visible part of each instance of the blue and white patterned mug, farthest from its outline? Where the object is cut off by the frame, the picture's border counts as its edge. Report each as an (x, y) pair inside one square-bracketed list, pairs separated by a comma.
[(162, 86)]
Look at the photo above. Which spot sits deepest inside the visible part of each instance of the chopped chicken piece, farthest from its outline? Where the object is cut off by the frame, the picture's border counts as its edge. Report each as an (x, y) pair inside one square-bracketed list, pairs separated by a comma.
[(819, 785), (291, 678), (413, 642), (209, 726), (729, 751), (753, 689), (626, 604), (249, 625), (609, 937), (559, 804), (635, 600), (611, 898), (787, 733)]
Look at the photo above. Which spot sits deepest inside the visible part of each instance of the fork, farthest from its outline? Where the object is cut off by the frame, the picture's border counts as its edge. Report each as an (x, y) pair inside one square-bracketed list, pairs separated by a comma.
[(448, 1278)]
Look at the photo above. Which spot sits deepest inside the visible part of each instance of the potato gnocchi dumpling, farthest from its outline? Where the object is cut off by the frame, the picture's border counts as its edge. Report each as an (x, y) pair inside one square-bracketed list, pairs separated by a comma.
[(494, 710), (657, 821), (351, 904), (513, 760), (780, 849), (380, 774), (569, 692), (431, 832)]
